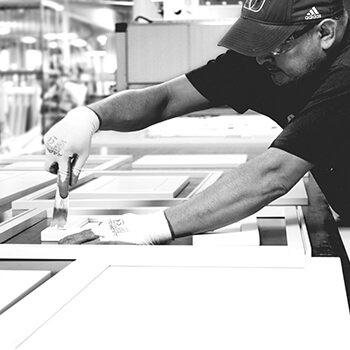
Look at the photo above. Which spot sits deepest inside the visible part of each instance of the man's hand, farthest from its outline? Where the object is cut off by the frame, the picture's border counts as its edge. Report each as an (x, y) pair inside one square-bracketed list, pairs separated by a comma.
[(147, 229), (68, 143)]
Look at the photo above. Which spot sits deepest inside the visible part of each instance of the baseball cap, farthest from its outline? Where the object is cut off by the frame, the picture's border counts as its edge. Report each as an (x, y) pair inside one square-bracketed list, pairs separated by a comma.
[(265, 24)]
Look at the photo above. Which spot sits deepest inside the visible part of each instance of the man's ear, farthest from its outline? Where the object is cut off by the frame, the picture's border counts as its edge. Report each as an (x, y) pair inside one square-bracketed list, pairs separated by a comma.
[(327, 33)]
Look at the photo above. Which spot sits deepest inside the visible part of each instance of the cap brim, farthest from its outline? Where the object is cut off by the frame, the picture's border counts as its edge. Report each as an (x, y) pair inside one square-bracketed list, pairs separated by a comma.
[(254, 39)]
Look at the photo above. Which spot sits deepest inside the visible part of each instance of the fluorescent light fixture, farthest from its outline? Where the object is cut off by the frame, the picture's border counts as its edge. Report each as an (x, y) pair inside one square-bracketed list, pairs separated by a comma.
[(28, 40), (53, 45), (4, 30), (53, 5)]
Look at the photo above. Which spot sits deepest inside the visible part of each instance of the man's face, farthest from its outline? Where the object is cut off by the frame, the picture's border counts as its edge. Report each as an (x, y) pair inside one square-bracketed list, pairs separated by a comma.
[(304, 57)]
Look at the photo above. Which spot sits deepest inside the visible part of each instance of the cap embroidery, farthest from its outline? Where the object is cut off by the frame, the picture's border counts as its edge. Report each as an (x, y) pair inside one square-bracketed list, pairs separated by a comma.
[(290, 118), (254, 5), (313, 14)]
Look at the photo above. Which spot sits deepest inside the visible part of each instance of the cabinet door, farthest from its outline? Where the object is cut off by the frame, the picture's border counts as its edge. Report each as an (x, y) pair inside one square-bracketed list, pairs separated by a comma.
[(169, 306)]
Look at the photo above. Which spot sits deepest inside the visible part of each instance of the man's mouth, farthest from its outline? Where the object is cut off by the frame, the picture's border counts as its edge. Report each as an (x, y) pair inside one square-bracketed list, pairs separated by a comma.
[(273, 69)]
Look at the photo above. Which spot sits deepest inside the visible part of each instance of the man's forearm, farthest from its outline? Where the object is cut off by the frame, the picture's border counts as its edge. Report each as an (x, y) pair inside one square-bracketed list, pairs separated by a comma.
[(229, 200), (131, 110), (238, 194)]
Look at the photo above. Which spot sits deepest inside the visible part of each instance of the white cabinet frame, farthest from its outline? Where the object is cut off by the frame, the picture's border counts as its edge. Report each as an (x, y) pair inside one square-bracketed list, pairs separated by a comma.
[(18, 183), (189, 161), (298, 243), (259, 290), (94, 162), (45, 197)]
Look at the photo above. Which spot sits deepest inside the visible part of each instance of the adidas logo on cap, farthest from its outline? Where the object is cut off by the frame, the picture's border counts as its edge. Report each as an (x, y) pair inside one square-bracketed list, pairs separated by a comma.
[(313, 14)]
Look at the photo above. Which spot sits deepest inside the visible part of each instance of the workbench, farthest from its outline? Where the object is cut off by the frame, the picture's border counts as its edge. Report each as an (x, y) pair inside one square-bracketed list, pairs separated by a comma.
[(239, 297)]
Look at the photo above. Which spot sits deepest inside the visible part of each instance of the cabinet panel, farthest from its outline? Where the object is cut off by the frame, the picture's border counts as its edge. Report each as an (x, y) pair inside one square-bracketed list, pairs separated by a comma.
[(198, 181), (128, 187), (224, 306), (189, 161)]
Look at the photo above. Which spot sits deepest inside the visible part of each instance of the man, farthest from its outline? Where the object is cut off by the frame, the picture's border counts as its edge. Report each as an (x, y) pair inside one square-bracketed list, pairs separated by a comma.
[(286, 59)]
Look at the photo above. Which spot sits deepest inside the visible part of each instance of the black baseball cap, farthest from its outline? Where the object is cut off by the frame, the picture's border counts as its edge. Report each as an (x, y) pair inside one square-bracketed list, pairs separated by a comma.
[(265, 24)]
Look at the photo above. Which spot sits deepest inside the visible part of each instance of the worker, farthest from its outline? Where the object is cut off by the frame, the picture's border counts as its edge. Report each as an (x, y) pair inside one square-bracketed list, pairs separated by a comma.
[(286, 59)]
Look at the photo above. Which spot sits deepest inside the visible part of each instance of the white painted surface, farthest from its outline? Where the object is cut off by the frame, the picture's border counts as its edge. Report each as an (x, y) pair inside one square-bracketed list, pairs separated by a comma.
[(14, 184), (133, 186), (15, 284), (157, 307), (185, 161)]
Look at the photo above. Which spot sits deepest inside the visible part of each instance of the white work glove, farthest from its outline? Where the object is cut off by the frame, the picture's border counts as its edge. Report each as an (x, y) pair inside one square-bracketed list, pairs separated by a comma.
[(149, 229), (68, 143)]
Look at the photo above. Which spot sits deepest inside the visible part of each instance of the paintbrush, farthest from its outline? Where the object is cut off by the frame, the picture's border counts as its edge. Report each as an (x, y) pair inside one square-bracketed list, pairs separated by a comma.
[(61, 204), (60, 211)]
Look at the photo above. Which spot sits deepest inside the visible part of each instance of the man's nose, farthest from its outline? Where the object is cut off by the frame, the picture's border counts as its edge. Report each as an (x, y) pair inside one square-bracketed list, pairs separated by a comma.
[(264, 58)]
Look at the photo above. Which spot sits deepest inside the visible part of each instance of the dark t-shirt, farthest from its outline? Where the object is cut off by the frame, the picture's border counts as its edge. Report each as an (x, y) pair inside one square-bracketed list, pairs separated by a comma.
[(314, 112)]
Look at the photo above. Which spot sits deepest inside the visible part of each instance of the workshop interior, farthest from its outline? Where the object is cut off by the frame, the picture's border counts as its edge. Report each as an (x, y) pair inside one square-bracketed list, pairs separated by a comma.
[(278, 279)]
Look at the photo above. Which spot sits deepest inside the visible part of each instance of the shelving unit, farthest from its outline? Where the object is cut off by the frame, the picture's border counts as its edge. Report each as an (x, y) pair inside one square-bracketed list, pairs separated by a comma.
[(26, 63)]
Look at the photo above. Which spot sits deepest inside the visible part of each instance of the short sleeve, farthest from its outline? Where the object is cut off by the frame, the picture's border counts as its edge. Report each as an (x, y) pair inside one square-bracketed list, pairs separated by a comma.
[(320, 134), (230, 80)]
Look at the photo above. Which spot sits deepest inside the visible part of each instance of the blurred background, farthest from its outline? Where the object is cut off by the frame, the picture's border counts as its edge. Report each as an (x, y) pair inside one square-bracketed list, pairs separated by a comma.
[(56, 55)]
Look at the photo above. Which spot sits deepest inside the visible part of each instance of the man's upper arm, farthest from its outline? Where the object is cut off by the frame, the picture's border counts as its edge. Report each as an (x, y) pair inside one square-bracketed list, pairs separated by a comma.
[(183, 98), (284, 168)]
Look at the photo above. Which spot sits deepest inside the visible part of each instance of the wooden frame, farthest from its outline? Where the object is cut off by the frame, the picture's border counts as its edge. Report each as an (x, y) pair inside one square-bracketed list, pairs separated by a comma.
[(226, 297), (16, 183), (19, 222), (296, 196), (132, 187), (296, 231), (189, 161), (37, 162), (44, 198)]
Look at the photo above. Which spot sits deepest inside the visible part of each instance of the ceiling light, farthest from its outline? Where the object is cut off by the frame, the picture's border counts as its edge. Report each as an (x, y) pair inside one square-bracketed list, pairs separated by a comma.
[(53, 45), (28, 40), (4, 30)]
